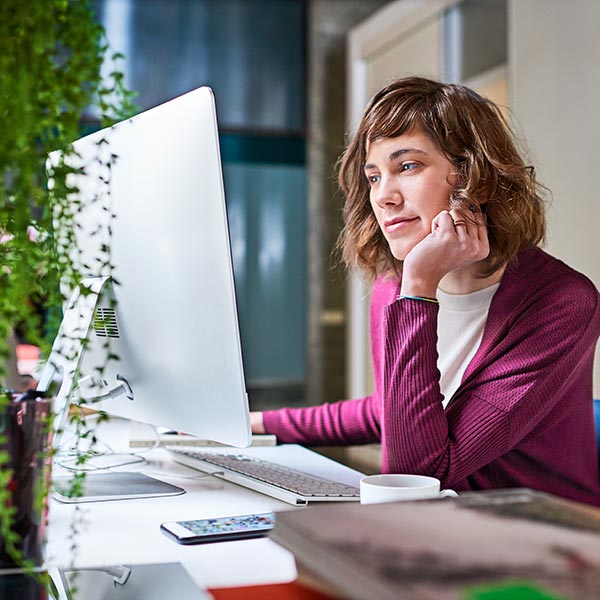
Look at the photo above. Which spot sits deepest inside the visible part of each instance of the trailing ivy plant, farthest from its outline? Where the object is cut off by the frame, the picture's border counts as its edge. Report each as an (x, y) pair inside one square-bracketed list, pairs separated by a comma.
[(51, 58)]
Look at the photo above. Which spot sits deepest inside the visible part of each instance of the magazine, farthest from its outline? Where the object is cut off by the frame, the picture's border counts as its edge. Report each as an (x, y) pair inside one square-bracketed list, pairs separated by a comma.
[(496, 544)]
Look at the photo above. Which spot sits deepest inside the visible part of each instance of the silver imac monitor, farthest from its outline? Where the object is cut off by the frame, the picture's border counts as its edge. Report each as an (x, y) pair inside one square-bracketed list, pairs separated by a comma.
[(168, 306)]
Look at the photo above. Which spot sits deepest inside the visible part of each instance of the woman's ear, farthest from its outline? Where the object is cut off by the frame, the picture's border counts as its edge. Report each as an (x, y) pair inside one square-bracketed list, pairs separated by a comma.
[(453, 179)]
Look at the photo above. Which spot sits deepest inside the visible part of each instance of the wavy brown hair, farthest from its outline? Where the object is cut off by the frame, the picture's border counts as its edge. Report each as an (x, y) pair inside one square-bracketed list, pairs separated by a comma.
[(473, 134)]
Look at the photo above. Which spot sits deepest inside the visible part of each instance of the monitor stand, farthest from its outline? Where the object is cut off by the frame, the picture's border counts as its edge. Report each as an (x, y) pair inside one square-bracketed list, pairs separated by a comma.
[(118, 485), (100, 483), (65, 361)]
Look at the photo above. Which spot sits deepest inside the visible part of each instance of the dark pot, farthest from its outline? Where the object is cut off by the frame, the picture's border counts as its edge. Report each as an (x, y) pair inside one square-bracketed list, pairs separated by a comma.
[(20, 586), (26, 437)]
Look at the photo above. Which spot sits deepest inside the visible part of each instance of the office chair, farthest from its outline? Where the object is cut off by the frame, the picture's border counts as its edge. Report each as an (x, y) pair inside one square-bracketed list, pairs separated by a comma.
[(597, 421)]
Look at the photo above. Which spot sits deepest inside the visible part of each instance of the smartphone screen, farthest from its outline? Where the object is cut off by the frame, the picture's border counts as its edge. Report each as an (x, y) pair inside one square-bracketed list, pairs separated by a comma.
[(220, 529)]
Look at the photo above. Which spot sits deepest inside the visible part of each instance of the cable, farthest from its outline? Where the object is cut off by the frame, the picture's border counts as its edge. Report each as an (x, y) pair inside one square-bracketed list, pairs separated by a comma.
[(87, 466), (74, 455)]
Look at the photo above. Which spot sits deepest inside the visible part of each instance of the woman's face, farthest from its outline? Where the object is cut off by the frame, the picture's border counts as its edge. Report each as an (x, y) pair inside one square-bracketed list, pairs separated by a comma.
[(409, 179)]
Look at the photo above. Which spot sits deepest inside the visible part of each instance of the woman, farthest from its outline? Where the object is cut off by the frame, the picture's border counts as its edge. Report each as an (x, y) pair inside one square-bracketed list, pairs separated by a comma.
[(482, 344)]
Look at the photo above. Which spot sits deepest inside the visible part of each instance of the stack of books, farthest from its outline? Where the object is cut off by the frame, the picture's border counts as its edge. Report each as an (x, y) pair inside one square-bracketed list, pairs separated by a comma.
[(507, 544)]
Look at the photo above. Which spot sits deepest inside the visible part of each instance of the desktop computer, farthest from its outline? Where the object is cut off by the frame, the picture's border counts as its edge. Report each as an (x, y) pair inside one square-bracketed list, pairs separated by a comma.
[(149, 192)]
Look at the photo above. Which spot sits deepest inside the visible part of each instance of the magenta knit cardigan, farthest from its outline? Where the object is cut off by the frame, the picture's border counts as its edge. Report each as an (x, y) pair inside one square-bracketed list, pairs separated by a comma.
[(523, 414)]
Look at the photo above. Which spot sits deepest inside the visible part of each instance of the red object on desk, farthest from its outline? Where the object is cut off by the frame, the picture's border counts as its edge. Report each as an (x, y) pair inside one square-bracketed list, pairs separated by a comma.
[(279, 591)]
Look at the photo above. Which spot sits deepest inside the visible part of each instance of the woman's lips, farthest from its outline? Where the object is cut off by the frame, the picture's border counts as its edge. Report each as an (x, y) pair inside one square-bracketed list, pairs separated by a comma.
[(398, 223)]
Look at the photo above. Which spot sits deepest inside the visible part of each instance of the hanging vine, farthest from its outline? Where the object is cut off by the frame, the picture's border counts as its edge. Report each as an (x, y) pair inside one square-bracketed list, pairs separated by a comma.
[(51, 58)]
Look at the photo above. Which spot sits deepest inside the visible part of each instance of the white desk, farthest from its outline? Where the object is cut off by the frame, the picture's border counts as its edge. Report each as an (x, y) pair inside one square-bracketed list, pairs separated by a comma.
[(127, 531)]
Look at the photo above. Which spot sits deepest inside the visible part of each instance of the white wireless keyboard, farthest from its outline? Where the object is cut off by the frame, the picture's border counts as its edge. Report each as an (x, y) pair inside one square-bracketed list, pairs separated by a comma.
[(277, 481)]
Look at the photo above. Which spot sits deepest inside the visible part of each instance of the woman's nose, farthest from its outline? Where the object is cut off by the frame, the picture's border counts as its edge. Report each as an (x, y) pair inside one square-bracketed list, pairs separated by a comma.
[(387, 192)]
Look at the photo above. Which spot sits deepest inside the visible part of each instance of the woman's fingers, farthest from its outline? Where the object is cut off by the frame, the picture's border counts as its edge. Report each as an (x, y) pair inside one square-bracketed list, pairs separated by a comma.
[(444, 221), (471, 230), (463, 226)]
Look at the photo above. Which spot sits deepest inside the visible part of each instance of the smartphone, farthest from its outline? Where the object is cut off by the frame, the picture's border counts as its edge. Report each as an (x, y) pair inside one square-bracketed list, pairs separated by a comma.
[(220, 529)]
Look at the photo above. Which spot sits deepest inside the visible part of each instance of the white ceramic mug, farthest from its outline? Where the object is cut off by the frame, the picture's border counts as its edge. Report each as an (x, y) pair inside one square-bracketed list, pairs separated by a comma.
[(393, 487)]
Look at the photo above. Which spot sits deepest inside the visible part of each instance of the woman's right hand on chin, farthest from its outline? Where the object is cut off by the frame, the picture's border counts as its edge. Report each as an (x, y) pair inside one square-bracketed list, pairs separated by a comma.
[(454, 242)]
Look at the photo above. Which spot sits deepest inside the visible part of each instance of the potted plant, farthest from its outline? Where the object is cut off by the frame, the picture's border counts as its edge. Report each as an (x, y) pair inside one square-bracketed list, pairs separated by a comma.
[(51, 58)]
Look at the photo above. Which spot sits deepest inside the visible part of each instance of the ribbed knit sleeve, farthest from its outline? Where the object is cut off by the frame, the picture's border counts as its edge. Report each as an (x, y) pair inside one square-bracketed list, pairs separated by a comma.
[(345, 422)]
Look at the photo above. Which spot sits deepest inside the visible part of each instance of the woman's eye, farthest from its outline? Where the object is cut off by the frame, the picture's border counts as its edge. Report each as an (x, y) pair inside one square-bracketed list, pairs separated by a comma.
[(373, 179), (409, 166)]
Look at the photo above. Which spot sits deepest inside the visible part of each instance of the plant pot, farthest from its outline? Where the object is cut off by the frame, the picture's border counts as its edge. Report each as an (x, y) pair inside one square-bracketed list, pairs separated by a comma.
[(22, 586), (25, 439)]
